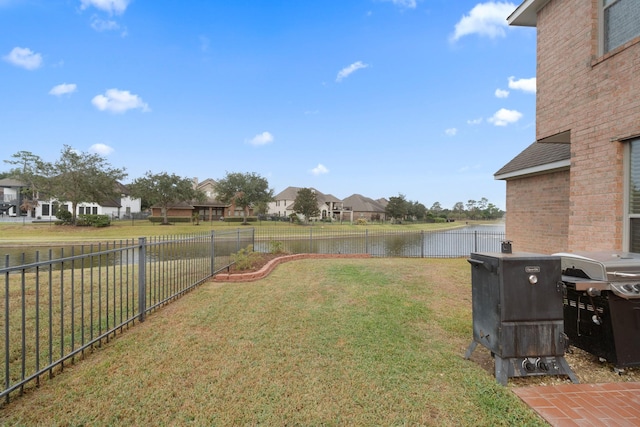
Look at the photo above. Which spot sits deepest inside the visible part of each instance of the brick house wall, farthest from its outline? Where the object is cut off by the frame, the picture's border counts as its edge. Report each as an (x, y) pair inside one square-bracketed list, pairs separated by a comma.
[(597, 98), (539, 221)]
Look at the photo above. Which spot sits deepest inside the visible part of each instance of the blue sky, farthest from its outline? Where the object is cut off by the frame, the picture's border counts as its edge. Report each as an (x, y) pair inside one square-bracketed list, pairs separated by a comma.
[(427, 98)]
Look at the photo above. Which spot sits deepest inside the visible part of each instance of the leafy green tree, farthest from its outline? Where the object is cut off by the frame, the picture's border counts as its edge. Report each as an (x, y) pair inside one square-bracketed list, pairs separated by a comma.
[(164, 190), (493, 212), (417, 210), (34, 173), (482, 204), (436, 208), (261, 208), (458, 209), (79, 177), (472, 209), (398, 207), (306, 203), (243, 190)]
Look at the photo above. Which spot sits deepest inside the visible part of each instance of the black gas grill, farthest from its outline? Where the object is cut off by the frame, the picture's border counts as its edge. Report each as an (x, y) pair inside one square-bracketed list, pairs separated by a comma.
[(517, 313), (602, 304)]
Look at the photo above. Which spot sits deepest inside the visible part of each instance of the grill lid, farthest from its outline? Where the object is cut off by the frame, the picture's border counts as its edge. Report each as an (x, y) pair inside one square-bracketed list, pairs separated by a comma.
[(617, 272)]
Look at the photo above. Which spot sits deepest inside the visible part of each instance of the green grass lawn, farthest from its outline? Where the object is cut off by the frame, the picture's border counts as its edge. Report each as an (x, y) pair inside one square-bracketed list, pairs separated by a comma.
[(28, 233), (318, 342)]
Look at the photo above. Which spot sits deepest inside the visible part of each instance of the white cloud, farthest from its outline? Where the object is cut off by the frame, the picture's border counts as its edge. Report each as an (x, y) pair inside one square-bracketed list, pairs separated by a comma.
[(111, 6), (409, 4), (451, 131), (501, 93), (101, 149), (119, 101), (63, 89), (525, 85), (319, 170), (503, 117), (102, 25), (473, 122), (345, 72), (24, 57), (485, 19), (261, 139)]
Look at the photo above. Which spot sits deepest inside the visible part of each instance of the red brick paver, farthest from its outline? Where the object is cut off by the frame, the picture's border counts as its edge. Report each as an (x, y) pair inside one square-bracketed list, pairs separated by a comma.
[(585, 405)]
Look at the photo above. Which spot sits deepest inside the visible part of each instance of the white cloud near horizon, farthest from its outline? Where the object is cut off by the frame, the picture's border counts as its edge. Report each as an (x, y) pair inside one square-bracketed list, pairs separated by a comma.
[(347, 71), (451, 132), (119, 101), (319, 170), (502, 93), (261, 139), (111, 6), (102, 149), (485, 19), (63, 89), (409, 4), (24, 57), (525, 85), (504, 117)]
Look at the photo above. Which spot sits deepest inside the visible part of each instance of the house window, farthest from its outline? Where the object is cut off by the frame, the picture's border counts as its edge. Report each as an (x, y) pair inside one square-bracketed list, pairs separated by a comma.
[(633, 195), (620, 22), (45, 209)]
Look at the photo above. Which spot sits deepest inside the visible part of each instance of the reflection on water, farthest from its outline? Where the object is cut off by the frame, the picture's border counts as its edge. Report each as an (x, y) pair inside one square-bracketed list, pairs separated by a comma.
[(451, 243)]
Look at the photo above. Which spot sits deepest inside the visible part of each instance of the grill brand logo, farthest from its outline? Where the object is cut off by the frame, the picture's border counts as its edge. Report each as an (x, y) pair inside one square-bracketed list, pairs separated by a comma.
[(532, 269)]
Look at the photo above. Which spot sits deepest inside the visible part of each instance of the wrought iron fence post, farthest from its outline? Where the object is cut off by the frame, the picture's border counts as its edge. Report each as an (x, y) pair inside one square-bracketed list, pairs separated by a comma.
[(475, 241), (238, 240), (142, 288), (7, 358), (213, 252), (366, 241)]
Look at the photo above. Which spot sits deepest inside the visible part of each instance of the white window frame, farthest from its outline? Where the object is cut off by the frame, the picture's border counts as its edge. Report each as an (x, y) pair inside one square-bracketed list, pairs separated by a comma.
[(628, 216)]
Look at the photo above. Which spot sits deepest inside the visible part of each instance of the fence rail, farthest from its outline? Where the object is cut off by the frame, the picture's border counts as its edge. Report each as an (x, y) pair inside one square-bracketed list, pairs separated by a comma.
[(57, 304), (384, 243)]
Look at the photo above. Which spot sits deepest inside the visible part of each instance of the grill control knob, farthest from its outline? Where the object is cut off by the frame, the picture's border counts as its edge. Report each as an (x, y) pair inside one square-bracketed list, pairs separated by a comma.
[(637, 287), (533, 279), (628, 288)]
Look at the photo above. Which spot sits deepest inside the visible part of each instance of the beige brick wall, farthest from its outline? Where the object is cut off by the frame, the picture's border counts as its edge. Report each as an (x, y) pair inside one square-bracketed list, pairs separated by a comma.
[(597, 98), (538, 213)]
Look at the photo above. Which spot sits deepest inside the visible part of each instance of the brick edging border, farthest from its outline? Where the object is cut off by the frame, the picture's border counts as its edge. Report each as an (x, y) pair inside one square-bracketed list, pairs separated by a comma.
[(268, 267)]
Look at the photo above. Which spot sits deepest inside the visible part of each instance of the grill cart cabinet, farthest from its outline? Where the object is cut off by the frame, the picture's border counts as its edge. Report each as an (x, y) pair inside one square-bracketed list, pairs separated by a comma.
[(518, 313), (602, 305)]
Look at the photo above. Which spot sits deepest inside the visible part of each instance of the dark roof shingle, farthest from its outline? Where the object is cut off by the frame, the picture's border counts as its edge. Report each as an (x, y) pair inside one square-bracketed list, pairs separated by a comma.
[(536, 155)]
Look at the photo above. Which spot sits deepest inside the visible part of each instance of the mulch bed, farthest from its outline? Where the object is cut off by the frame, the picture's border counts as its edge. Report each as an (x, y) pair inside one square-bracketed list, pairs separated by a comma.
[(261, 260)]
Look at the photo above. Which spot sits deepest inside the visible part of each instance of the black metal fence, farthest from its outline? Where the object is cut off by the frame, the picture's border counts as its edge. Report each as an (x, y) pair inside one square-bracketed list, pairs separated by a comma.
[(57, 304), (381, 243)]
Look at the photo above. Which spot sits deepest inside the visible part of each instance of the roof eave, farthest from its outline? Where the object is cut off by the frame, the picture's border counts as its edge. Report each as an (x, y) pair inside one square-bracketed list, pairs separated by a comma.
[(526, 15), (536, 170)]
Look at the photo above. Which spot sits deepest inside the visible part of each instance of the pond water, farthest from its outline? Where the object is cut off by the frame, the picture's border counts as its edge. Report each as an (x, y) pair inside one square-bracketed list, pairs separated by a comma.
[(437, 244)]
